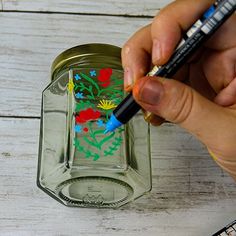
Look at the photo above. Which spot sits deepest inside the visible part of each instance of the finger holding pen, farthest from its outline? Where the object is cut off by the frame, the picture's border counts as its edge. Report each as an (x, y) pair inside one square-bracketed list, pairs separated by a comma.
[(172, 100)]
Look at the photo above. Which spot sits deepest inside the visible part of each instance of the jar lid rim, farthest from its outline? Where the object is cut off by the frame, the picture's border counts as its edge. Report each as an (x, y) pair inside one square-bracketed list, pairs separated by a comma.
[(85, 50)]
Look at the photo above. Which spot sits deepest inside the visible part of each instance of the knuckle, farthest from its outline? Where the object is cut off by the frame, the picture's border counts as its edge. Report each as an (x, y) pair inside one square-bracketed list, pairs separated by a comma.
[(165, 18), (181, 106), (125, 52), (166, 11), (125, 49)]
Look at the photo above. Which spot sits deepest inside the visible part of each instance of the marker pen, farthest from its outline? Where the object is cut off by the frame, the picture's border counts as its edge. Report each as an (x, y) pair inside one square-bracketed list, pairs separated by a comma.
[(198, 33)]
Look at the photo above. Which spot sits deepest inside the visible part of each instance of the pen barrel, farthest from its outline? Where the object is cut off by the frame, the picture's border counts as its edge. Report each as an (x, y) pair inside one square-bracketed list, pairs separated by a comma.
[(203, 28), (126, 109), (212, 19)]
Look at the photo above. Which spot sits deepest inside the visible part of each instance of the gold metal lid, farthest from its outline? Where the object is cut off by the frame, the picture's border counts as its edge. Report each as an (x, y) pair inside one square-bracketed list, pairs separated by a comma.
[(88, 54)]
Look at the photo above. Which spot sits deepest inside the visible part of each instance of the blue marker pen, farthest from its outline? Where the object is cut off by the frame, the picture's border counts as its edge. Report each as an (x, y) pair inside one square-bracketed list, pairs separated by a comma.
[(201, 30)]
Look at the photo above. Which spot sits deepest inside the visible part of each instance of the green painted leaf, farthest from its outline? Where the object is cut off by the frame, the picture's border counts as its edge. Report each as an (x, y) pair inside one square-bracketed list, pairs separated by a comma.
[(106, 138), (96, 157), (87, 154), (90, 80), (92, 143), (108, 153), (121, 130), (82, 105), (98, 132), (76, 86), (90, 97)]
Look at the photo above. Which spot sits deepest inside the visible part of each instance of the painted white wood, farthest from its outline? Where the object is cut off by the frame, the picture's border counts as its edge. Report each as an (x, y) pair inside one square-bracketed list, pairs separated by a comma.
[(1, 6), (30, 42), (121, 7), (191, 195)]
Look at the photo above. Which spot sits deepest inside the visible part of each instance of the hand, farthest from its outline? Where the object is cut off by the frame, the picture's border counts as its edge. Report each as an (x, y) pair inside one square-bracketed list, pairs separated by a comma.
[(202, 95)]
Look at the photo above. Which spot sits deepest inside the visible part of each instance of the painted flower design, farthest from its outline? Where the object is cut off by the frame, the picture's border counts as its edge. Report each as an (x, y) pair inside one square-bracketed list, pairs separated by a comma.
[(90, 119), (105, 76), (70, 85), (85, 129), (86, 115), (106, 104), (79, 95), (100, 123), (78, 129), (77, 77), (93, 73)]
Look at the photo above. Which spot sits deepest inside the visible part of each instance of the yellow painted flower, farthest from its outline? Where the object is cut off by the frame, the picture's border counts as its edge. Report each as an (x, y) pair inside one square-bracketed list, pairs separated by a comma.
[(106, 104), (70, 85)]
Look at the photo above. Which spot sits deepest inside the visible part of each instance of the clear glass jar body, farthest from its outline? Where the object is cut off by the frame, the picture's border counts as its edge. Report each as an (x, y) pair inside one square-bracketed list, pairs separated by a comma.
[(78, 164)]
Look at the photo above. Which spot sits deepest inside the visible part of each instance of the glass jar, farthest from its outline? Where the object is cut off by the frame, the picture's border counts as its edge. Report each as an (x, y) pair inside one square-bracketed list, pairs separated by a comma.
[(78, 164)]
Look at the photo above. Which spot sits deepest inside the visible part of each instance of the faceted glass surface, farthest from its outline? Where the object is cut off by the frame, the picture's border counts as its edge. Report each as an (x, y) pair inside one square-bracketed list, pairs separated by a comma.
[(79, 165)]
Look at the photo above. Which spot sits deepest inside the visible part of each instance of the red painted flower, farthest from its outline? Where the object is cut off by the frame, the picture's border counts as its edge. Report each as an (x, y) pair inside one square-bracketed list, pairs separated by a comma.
[(105, 76), (85, 129), (86, 115)]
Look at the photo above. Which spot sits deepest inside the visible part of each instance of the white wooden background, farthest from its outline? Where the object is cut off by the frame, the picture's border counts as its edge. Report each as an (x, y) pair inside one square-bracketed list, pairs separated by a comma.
[(191, 195)]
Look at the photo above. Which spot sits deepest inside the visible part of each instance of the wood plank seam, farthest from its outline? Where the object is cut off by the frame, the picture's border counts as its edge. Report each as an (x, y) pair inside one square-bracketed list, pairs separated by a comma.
[(112, 7), (38, 31), (77, 13), (21, 117)]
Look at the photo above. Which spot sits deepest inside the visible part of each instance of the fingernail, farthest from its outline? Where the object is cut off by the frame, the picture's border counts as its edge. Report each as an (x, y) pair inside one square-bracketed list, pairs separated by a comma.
[(156, 50), (151, 92), (128, 77)]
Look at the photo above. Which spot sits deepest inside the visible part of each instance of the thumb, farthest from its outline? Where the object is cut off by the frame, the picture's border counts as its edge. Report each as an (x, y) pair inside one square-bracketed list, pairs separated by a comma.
[(180, 104)]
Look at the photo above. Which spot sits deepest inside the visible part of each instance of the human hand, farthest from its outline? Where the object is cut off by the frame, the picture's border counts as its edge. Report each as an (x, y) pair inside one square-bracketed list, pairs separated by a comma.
[(201, 97)]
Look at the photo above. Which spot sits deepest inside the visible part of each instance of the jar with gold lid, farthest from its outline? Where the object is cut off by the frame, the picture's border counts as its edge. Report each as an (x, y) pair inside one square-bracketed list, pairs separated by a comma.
[(78, 164)]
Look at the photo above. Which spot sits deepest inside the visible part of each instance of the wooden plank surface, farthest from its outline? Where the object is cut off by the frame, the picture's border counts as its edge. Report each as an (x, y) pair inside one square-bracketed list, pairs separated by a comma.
[(1, 6), (28, 47), (191, 196), (114, 7)]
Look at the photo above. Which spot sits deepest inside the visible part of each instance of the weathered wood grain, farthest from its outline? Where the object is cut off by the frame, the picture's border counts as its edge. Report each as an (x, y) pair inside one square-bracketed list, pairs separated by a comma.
[(191, 195), (123, 7), (30, 42)]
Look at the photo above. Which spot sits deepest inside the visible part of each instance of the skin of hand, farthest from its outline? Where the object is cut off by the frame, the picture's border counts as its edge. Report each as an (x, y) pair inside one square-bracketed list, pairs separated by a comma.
[(201, 97)]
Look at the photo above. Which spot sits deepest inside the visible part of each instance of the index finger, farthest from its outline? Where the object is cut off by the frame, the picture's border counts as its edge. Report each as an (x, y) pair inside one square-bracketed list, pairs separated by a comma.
[(169, 25), (159, 39)]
